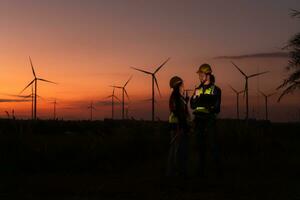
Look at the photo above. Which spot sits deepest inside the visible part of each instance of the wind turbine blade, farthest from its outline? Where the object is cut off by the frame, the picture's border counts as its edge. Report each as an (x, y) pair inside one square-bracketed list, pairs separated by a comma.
[(109, 96), (7, 113), (25, 96), (156, 83), (233, 89), (40, 97), (113, 91), (246, 86), (116, 86), (253, 75), (27, 86), (117, 98), (161, 65), (239, 69), (128, 81), (272, 94), (126, 93), (41, 79), (32, 67), (141, 70), (13, 95), (262, 93)]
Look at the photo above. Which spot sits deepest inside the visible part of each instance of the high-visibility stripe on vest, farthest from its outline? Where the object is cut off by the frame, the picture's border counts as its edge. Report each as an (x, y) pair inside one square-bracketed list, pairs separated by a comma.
[(207, 91), (173, 119)]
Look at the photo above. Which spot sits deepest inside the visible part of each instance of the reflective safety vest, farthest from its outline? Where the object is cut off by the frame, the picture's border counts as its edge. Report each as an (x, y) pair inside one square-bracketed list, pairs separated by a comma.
[(207, 91), (172, 118)]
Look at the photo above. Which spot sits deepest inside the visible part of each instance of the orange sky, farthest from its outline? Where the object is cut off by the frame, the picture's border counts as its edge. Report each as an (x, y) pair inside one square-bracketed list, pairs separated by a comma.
[(87, 47)]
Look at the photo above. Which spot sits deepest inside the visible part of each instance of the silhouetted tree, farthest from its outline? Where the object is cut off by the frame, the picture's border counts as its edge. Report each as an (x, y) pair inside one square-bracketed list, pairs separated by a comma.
[(293, 81)]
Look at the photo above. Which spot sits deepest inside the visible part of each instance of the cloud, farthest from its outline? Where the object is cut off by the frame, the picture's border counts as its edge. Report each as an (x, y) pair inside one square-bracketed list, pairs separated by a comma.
[(106, 103), (256, 55), (13, 100), (83, 104)]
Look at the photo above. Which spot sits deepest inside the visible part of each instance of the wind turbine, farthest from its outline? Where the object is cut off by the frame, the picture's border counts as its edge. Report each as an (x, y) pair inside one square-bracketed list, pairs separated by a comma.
[(26, 97), (127, 111), (35, 82), (7, 113), (186, 92), (246, 86), (266, 96), (54, 108), (154, 80), (91, 107), (237, 100), (12, 114), (113, 96), (123, 94)]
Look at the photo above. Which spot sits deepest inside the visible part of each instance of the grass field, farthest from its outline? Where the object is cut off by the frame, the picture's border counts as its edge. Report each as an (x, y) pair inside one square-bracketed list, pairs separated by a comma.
[(127, 160)]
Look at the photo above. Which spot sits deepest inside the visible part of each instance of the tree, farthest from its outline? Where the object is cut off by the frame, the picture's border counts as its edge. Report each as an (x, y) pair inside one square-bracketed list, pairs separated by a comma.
[(292, 83)]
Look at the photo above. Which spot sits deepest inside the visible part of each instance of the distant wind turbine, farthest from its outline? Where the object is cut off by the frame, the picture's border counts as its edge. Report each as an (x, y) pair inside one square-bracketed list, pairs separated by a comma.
[(186, 92), (113, 97), (7, 114), (26, 97), (237, 100), (127, 111), (123, 88), (54, 108), (154, 80), (91, 107), (12, 114), (246, 86), (266, 96), (35, 82)]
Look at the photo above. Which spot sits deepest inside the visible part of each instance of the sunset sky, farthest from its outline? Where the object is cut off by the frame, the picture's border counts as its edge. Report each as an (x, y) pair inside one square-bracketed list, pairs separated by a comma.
[(86, 46)]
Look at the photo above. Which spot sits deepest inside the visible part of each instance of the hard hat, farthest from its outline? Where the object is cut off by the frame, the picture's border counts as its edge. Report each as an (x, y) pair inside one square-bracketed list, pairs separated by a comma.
[(175, 81), (204, 68)]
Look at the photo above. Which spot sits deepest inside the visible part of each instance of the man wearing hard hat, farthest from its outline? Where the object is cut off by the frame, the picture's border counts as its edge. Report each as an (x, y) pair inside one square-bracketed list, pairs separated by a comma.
[(206, 102)]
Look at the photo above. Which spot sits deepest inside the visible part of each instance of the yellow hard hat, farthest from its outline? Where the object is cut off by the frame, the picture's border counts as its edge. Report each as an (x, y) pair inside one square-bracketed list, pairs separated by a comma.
[(175, 81), (204, 68)]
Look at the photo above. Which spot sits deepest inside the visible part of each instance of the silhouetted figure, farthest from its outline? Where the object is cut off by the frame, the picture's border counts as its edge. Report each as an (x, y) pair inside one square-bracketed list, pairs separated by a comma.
[(205, 103), (178, 120)]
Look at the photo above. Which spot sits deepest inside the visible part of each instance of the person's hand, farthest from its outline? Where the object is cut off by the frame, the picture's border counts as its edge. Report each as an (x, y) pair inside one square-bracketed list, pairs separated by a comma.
[(187, 98), (197, 92)]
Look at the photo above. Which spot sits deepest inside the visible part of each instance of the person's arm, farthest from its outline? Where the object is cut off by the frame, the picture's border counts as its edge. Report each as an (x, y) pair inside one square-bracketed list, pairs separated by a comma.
[(180, 111), (217, 104), (172, 105), (194, 101)]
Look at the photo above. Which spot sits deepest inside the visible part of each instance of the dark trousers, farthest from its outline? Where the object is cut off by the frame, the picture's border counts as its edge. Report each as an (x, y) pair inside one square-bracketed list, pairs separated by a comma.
[(178, 152), (207, 143)]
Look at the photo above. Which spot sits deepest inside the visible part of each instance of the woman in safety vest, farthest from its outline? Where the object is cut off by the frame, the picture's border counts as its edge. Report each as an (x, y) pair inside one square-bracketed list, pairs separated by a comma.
[(178, 120)]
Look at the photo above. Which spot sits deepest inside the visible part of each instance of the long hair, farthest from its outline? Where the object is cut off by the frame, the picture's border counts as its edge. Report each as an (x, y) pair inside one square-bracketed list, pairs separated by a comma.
[(176, 89)]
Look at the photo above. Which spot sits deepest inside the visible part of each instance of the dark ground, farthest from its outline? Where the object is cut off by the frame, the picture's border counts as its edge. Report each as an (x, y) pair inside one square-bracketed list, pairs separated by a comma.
[(126, 160)]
